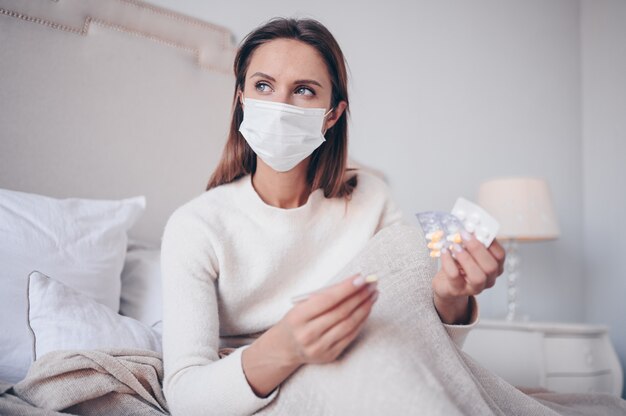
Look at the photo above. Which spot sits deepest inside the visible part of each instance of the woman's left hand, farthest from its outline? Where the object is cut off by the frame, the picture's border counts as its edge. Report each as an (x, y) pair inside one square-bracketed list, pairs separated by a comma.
[(466, 270)]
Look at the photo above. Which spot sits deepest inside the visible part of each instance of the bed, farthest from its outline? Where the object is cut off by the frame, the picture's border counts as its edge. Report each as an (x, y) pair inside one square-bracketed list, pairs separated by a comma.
[(86, 86)]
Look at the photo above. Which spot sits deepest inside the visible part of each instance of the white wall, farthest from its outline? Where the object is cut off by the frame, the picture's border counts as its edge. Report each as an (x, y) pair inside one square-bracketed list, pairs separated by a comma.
[(447, 94), (603, 24)]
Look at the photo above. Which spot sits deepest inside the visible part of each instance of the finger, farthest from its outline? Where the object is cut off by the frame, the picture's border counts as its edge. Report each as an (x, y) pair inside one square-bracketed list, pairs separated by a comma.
[(497, 251), (328, 298), (491, 281), (483, 257), (455, 280), (474, 275), (342, 343), (329, 319)]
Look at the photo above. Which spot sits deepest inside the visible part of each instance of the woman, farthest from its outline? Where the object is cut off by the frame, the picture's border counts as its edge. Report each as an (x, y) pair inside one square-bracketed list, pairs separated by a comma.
[(282, 214)]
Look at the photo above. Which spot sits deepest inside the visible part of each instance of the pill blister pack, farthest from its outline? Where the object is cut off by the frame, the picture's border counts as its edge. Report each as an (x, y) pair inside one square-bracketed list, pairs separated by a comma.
[(476, 220), (443, 229)]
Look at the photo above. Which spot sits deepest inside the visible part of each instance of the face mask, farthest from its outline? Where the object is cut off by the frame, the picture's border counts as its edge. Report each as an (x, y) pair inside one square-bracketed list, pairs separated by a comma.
[(282, 135)]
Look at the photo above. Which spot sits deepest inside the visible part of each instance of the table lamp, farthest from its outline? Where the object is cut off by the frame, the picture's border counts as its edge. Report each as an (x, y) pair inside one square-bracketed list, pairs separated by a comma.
[(523, 206)]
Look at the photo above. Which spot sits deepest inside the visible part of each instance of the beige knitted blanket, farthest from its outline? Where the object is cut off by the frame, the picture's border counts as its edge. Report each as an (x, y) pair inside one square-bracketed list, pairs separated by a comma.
[(402, 363), (106, 382), (405, 363)]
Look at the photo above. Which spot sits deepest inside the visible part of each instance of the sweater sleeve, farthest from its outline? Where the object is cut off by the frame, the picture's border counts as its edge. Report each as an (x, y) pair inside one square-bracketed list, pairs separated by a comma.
[(458, 333), (196, 381)]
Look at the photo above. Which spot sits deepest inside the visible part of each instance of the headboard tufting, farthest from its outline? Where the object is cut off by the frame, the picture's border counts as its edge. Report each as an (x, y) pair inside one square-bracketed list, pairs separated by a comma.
[(111, 99)]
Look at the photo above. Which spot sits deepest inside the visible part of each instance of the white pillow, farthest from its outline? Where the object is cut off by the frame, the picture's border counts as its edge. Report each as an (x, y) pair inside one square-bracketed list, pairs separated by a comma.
[(82, 241), (141, 285), (64, 319)]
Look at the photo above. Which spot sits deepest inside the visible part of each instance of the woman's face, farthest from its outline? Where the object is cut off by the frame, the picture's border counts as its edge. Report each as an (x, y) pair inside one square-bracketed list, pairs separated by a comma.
[(290, 72)]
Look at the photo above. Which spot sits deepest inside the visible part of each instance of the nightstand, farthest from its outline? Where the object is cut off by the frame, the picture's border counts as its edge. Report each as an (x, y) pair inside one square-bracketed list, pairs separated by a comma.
[(566, 358)]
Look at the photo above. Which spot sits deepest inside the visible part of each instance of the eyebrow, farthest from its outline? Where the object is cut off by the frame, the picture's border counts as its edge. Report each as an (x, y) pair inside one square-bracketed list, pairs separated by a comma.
[(299, 81)]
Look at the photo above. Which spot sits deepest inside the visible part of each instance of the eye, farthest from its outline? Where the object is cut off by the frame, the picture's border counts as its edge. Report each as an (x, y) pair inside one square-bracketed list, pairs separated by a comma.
[(305, 91), (262, 87)]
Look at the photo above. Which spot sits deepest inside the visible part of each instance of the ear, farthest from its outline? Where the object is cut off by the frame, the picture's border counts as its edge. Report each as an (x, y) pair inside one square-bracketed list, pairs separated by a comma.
[(240, 97), (336, 114)]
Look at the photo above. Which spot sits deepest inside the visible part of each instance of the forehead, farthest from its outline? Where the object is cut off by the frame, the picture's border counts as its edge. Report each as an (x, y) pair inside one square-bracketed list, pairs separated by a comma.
[(286, 59)]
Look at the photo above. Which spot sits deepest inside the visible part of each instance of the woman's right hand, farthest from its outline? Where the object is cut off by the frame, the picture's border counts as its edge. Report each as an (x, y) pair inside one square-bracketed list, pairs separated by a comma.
[(319, 328)]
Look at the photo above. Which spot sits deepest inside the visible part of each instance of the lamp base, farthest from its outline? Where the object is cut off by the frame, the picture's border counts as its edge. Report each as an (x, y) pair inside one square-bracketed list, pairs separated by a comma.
[(512, 268)]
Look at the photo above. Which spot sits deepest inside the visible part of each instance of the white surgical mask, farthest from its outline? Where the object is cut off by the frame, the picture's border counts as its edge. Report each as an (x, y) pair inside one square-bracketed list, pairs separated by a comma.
[(282, 135)]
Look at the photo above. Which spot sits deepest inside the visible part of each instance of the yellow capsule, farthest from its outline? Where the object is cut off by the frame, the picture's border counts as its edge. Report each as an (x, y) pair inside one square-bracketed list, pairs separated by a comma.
[(435, 253), (435, 245), (437, 235), (455, 238)]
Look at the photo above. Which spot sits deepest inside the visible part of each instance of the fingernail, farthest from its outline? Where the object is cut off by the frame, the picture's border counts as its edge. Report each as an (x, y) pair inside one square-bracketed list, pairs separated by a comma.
[(444, 250), (465, 235), (456, 248), (359, 281)]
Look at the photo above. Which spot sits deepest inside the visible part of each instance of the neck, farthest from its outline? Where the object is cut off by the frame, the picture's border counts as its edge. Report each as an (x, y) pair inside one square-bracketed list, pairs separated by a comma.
[(282, 189)]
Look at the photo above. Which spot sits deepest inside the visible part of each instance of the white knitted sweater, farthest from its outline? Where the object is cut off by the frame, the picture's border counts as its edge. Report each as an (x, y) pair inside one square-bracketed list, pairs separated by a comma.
[(230, 265)]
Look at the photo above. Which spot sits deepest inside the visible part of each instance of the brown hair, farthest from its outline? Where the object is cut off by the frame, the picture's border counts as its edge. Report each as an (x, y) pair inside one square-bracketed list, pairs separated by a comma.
[(328, 165)]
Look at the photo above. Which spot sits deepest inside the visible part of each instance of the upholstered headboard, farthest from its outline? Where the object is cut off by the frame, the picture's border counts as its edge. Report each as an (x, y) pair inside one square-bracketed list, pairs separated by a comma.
[(111, 99)]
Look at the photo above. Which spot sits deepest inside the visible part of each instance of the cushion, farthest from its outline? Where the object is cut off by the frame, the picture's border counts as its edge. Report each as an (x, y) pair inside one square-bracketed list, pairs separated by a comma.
[(141, 285), (82, 241), (62, 318)]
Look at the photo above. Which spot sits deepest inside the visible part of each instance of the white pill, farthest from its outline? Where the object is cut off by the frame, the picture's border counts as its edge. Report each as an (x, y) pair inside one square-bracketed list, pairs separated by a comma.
[(482, 233), (469, 226)]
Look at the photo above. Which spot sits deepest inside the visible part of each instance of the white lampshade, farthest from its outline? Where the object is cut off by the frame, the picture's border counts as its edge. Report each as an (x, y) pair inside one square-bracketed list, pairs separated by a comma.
[(523, 206)]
